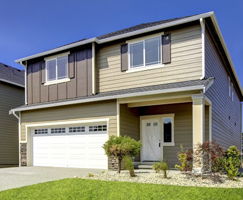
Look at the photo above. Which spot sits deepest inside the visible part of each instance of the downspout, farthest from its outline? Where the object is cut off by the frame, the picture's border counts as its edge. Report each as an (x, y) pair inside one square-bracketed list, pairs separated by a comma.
[(202, 23), (25, 81), (19, 122), (93, 69)]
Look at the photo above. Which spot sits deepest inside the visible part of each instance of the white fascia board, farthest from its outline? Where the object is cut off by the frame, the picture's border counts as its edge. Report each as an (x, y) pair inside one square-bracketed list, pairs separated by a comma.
[(145, 30), (45, 53), (182, 89), (154, 28), (10, 82), (215, 23)]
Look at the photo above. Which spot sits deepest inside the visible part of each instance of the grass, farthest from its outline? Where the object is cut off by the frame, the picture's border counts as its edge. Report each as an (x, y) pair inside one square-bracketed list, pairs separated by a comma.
[(95, 189)]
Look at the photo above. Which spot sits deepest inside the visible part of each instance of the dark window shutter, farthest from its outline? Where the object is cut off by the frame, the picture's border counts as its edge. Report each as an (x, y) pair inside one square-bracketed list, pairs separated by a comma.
[(71, 65), (124, 57), (43, 72), (166, 50)]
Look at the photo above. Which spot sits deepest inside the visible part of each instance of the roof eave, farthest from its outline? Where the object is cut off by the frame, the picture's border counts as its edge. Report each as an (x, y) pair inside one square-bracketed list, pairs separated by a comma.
[(11, 82), (169, 24), (78, 101), (215, 23)]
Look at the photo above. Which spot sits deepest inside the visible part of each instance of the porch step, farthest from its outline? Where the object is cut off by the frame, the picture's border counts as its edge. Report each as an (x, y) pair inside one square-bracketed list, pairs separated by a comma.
[(144, 167)]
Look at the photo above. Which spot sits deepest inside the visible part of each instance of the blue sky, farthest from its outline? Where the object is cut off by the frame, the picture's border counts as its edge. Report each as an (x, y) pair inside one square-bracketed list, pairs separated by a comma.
[(29, 27)]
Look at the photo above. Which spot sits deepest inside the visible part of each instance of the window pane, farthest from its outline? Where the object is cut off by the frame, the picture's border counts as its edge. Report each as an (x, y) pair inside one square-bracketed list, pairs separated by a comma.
[(167, 123), (152, 51), (62, 65), (136, 54), (51, 70)]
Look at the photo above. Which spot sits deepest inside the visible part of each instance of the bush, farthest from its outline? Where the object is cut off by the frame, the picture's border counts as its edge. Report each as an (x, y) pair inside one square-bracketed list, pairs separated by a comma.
[(185, 159), (232, 171), (90, 175), (120, 147), (129, 165), (210, 155), (234, 153), (232, 162), (161, 166)]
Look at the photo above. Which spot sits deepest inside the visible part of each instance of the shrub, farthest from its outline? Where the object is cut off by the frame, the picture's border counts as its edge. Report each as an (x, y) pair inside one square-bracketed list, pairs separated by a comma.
[(161, 166), (90, 175), (185, 159), (129, 165), (232, 162), (120, 147), (232, 171), (210, 155), (234, 153)]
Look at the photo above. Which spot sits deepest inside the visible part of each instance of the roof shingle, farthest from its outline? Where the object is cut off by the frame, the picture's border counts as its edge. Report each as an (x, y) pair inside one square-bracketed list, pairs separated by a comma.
[(11, 74)]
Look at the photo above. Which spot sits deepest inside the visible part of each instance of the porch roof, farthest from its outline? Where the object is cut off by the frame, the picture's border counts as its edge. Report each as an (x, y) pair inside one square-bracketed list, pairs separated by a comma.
[(132, 92)]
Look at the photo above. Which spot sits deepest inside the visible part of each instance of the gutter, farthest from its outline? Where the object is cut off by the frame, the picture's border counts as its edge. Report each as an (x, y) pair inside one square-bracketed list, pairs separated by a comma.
[(25, 81), (145, 93), (19, 123)]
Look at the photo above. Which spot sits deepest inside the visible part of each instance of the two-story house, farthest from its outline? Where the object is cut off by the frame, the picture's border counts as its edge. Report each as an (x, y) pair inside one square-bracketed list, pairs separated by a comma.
[(165, 83), (11, 95)]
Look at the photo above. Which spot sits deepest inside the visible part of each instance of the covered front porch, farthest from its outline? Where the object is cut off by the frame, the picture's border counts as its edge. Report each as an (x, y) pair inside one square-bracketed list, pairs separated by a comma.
[(164, 122)]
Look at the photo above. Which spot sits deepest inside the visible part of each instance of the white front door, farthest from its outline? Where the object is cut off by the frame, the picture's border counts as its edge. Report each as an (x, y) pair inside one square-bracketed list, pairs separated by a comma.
[(151, 140)]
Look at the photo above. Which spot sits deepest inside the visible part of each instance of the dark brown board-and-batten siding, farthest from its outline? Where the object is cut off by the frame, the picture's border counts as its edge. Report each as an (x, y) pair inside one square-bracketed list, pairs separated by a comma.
[(79, 72)]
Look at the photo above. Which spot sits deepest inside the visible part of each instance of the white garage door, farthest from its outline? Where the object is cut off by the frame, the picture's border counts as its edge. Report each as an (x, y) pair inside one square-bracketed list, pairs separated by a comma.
[(70, 146)]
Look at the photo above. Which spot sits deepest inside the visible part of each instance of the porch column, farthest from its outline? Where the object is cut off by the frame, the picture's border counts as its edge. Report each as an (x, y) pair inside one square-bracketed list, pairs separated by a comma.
[(198, 124)]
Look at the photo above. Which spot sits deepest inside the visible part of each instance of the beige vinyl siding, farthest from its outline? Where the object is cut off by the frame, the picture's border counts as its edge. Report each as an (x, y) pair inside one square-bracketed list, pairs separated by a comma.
[(182, 127), (129, 122), (224, 129), (11, 97), (88, 111), (186, 63)]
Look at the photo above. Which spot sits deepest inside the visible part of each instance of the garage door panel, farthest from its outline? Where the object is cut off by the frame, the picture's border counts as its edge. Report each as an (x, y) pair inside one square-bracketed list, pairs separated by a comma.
[(83, 150)]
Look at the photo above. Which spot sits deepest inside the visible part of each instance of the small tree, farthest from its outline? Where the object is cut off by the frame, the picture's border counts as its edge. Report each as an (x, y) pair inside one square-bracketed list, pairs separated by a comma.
[(161, 166), (120, 147), (185, 159), (129, 165)]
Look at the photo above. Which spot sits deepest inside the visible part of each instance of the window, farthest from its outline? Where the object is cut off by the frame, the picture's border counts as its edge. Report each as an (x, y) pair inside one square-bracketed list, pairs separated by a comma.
[(41, 131), (58, 130), (232, 92), (77, 129), (145, 53), (230, 87), (57, 68), (168, 131), (98, 128)]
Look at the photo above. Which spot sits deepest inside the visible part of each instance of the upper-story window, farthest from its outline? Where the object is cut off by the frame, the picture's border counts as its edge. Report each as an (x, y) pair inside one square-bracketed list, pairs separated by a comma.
[(145, 52), (57, 68), (231, 89)]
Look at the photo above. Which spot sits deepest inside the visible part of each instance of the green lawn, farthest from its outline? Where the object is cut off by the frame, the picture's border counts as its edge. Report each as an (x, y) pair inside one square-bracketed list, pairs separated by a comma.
[(95, 189)]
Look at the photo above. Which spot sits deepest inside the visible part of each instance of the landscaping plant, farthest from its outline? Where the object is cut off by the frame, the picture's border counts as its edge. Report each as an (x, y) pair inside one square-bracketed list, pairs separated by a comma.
[(120, 147), (210, 155), (129, 165), (232, 171), (161, 166), (232, 162), (185, 159)]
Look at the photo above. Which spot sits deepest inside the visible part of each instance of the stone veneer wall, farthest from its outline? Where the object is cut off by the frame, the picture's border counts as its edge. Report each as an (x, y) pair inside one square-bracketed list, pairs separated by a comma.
[(23, 154)]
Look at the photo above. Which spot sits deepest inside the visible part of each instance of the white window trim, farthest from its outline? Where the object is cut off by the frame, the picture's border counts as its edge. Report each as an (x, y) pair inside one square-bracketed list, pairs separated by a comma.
[(232, 92), (55, 57), (172, 143), (144, 67), (229, 87), (56, 81)]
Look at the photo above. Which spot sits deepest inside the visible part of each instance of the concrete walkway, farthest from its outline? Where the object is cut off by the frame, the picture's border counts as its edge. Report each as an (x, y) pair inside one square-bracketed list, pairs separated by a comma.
[(22, 176)]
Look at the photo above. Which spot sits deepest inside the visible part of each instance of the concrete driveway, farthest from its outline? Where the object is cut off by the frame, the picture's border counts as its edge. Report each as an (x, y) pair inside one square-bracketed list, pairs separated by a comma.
[(22, 176)]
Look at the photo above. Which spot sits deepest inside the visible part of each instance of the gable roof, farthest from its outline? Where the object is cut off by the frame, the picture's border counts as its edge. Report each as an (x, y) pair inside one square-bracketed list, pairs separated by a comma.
[(11, 75), (145, 28), (132, 92)]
